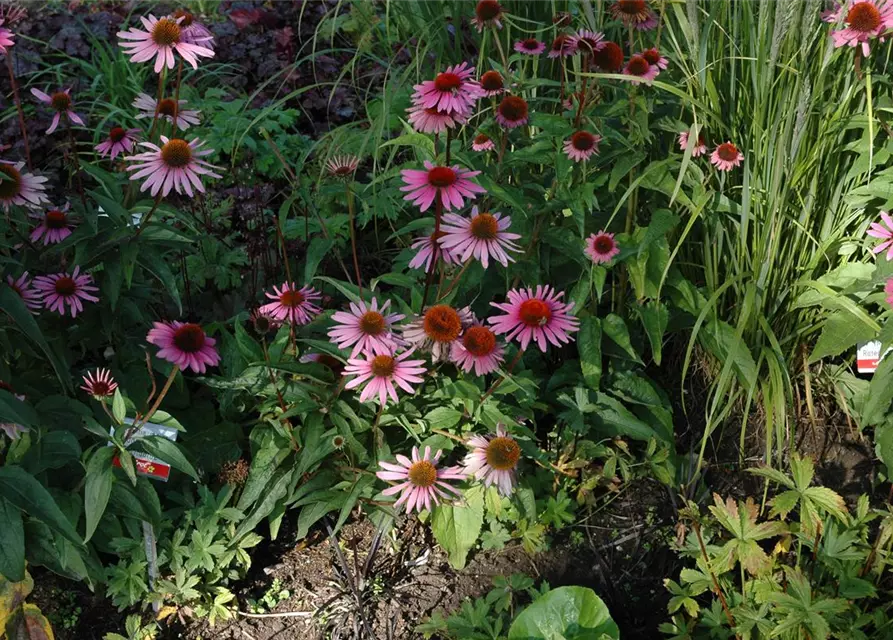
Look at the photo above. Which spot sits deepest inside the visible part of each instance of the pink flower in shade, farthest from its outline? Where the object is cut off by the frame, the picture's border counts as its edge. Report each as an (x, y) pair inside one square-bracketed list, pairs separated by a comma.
[(449, 184), (586, 41), (438, 329), (421, 483), (512, 112), (342, 167), (425, 247), (535, 315), (99, 383), (726, 156), (634, 13), (293, 305), (120, 140), (161, 38), (864, 20), (166, 108), (601, 247), (61, 104), (562, 46), (640, 70), (366, 327), (452, 91), (654, 58), (581, 146), (482, 142), (382, 372), (55, 225), (326, 360), (192, 31), (6, 40), (482, 235), (699, 149), (176, 164), (492, 83), (61, 289), (478, 350), (17, 187), (530, 47), (883, 231), (430, 120), (12, 429), (264, 323), (22, 286), (184, 344), (487, 13), (888, 289), (493, 459)]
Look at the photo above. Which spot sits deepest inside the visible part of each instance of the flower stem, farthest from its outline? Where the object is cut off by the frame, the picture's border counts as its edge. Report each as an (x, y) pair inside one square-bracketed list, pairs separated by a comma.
[(505, 64), (144, 223), (455, 280), (15, 97), (508, 372), (435, 247), (353, 236), (73, 150), (167, 385), (177, 97)]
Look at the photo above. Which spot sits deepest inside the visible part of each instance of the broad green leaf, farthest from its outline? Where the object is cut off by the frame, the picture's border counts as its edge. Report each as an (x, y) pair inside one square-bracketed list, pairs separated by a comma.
[(98, 487), (119, 409), (654, 318), (169, 452), (620, 421), (443, 418), (12, 545), (263, 467), (880, 394), (12, 596), (589, 345), (457, 526), (53, 451), (840, 332), (615, 328), (883, 437), (317, 250), (563, 614), (25, 492), (16, 411)]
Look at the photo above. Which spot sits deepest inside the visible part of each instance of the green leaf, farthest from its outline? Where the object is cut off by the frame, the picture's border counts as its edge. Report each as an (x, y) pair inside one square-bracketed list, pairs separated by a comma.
[(14, 410), (53, 451), (443, 418), (12, 542), (317, 250), (169, 452), (840, 332), (119, 410), (589, 345), (26, 493), (880, 394), (654, 318), (617, 420), (263, 467), (457, 527), (98, 488), (565, 613), (883, 438), (616, 329)]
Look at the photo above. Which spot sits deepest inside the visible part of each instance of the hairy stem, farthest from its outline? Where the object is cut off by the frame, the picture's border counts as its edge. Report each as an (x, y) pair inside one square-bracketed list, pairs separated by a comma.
[(21, 112)]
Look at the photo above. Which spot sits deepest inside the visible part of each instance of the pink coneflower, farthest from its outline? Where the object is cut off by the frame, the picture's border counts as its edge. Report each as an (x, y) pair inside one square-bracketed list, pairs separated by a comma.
[(882, 232), (888, 289), (478, 350), (292, 304), (654, 58), (161, 38), (449, 184), (698, 150), (166, 108), (563, 45), (430, 120), (493, 459), (264, 323), (437, 329), (634, 13), (482, 142), (184, 344), (726, 156), (864, 20), (326, 360), (383, 372), (530, 47), (425, 247), (586, 41), (535, 315), (512, 112), (6, 40), (342, 167), (21, 188), (581, 146), (482, 235), (608, 57), (120, 140), (601, 247), (99, 383), (452, 91), (55, 225), (12, 429), (176, 164), (366, 327), (421, 482), (22, 286), (487, 13), (61, 289), (61, 104), (192, 31), (492, 83), (640, 70)]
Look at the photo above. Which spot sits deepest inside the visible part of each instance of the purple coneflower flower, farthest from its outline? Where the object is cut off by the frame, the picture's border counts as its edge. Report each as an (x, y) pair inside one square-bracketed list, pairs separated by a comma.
[(699, 149), (421, 482), (120, 140), (192, 31), (562, 46), (530, 47), (449, 184), (482, 142), (342, 167), (55, 225), (726, 156), (431, 120), (608, 57), (184, 344), (425, 247), (161, 38), (482, 235), (61, 104), (865, 20), (293, 305), (366, 327), (381, 372), (61, 289), (601, 247), (22, 286), (99, 383), (654, 58), (581, 146), (640, 70), (535, 315), (882, 232), (487, 13), (586, 41), (888, 289), (176, 164), (437, 329), (452, 91), (492, 83), (634, 13), (512, 112), (478, 350), (6, 38), (21, 188), (493, 459), (166, 108)]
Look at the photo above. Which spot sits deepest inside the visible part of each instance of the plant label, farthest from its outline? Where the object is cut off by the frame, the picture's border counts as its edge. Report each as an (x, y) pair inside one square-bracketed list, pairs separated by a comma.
[(148, 465), (868, 355)]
